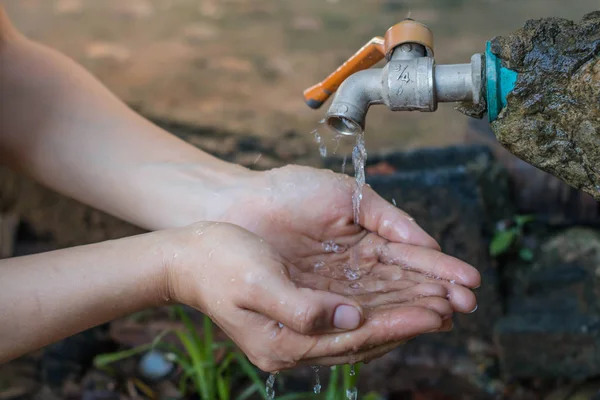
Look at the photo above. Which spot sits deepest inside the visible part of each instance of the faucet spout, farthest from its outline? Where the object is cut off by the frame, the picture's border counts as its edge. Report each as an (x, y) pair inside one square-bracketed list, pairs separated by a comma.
[(348, 110)]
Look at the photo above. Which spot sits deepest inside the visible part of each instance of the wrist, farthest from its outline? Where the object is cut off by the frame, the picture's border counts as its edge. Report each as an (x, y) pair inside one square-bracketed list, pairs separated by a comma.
[(184, 252), (183, 193)]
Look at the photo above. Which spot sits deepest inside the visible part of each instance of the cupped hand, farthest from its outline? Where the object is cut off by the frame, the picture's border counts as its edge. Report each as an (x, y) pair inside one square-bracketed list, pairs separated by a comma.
[(258, 298), (307, 215)]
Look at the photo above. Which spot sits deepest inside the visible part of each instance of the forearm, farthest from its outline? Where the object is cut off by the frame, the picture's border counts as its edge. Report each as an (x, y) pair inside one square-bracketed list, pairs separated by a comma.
[(59, 125), (46, 297)]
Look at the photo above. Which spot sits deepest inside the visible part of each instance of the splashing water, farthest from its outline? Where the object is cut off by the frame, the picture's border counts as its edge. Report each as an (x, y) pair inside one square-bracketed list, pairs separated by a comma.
[(320, 142), (352, 273), (317, 387), (270, 386), (332, 247), (359, 157), (352, 393)]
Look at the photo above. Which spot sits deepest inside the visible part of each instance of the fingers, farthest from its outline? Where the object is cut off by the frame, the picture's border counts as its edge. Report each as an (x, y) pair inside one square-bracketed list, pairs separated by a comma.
[(391, 223), (344, 287), (462, 299), (368, 354), (381, 327), (432, 263), (304, 310)]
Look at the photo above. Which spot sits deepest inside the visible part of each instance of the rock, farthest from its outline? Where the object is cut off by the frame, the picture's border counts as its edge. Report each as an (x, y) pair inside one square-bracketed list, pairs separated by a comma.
[(551, 117), (553, 324), (533, 190), (549, 345), (154, 366)]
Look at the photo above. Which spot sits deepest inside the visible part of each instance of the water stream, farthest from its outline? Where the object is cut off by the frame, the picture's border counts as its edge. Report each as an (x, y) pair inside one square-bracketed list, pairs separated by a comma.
[(351, 270), (359, 157), (317, 386), (270, 387)]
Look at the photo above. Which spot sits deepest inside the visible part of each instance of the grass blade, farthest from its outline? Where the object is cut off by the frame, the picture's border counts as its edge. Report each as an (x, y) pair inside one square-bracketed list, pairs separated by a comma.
[(332, 387), (103, 360), (197, 365), (249, 391), (251, 373)]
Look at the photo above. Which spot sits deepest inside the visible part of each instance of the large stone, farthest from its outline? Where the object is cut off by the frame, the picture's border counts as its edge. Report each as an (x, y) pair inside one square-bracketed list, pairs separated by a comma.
[(553, 324)]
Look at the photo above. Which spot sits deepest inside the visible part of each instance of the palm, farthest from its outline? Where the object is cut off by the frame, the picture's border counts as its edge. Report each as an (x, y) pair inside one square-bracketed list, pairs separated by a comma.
[(307, 215)]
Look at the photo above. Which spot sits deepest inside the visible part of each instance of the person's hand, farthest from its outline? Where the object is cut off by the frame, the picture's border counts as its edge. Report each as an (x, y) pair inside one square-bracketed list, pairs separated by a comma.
[(256, 296), (307, 215)]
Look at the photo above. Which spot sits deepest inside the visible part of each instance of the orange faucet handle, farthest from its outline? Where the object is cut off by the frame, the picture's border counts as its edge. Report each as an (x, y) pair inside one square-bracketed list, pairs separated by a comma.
[(407, 31), (369, 55)]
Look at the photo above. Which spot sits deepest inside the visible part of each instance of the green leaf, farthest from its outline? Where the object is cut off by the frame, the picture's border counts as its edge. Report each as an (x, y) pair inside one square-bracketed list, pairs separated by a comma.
[(526, 254), (502, 241), (521, 220)]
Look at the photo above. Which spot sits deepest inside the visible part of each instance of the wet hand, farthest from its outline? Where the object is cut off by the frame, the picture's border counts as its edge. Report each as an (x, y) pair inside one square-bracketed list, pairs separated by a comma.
[(307, 215), (257, 297)]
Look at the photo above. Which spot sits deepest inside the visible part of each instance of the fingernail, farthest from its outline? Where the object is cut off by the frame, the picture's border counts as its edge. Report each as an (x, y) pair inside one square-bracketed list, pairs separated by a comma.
[(475, 309), (346, 317)]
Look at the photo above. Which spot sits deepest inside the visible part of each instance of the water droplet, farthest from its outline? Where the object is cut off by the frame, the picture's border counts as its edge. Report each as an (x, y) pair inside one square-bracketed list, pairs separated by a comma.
[(332, 247), (352, 371), (317, 386), (323, 150), (394, 202), (355, 285), (453, 281), (344, 165), (257, 158), (352, 393), (280, 325), (351, 274), (270, 386), (317, 136)]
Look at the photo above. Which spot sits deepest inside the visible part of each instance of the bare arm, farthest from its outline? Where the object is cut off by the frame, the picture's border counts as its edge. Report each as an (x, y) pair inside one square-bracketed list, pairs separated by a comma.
[(46, 297), (62, 127)]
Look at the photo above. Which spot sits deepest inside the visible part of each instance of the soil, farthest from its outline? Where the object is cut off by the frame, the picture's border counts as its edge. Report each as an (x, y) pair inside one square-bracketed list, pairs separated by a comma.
[(552, 119)]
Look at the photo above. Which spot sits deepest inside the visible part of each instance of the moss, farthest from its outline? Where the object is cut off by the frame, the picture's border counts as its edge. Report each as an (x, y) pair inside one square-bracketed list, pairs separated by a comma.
[(552, 119)]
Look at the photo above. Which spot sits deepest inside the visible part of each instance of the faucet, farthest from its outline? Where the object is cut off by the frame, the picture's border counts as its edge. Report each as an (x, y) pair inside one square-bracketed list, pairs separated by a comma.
[(409, 81)]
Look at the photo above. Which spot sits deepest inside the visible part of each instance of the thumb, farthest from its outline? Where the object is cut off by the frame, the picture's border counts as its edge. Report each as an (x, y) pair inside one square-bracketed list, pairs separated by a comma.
[(307, 311)]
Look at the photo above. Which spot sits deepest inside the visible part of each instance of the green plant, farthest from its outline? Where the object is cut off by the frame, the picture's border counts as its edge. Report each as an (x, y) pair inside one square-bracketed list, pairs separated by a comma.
[(341, 384), (209, 377), (508, 235)]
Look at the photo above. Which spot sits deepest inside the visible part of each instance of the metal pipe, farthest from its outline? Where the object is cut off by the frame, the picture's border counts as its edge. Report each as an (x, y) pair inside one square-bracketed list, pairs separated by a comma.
[(453, 82), (352, 100)]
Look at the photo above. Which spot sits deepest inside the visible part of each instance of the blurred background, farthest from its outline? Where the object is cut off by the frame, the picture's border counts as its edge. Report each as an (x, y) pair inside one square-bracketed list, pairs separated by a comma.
[(228, 76)]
